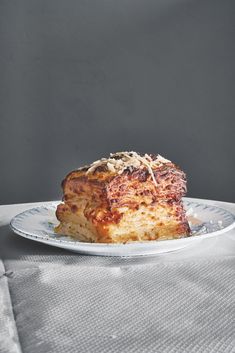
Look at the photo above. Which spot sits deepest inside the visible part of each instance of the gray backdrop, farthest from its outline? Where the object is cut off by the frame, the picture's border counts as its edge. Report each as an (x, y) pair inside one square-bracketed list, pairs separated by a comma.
[(82, 78)]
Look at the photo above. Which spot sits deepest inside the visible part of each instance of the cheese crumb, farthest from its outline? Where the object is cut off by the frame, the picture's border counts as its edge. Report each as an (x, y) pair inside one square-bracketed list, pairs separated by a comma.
[(119, 161)]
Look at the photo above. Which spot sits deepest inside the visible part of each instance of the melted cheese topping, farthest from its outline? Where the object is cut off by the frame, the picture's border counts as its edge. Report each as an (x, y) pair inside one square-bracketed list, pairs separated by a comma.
[(118, 162)]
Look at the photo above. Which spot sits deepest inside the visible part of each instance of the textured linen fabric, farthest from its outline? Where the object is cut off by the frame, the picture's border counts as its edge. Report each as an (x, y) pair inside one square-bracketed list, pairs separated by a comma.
[(133, 308), (9, 342), (181, 302)]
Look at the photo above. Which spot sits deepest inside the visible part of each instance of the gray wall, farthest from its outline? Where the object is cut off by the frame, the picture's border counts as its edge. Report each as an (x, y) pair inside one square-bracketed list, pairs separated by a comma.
[(82, 78)]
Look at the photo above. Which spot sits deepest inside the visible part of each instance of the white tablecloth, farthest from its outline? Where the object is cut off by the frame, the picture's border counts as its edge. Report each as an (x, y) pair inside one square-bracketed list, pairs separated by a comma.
[(52, 300)]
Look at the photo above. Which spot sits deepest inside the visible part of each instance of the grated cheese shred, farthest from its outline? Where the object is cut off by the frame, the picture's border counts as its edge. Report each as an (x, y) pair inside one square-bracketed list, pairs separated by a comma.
[(118, 162)]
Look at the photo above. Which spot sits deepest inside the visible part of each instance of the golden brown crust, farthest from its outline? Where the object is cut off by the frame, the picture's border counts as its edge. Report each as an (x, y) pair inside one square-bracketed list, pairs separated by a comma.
[(107, 206)]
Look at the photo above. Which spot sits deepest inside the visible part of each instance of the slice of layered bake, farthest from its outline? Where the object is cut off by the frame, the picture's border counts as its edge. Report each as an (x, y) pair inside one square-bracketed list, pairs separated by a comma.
[(126, 197)]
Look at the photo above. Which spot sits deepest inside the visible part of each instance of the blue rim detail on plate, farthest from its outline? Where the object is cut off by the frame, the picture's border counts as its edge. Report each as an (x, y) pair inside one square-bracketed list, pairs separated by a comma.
[(25, 224)]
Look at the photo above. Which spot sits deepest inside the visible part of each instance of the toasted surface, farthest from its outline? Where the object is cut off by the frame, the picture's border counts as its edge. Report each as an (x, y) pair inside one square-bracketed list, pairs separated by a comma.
[(124, 198)]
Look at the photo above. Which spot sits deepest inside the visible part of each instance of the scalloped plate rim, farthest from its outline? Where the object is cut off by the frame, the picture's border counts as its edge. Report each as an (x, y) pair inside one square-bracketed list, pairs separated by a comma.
[(115, 249)]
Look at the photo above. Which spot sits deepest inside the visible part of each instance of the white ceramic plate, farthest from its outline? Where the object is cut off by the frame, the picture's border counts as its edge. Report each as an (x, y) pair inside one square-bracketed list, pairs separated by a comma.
[(38, 224)]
